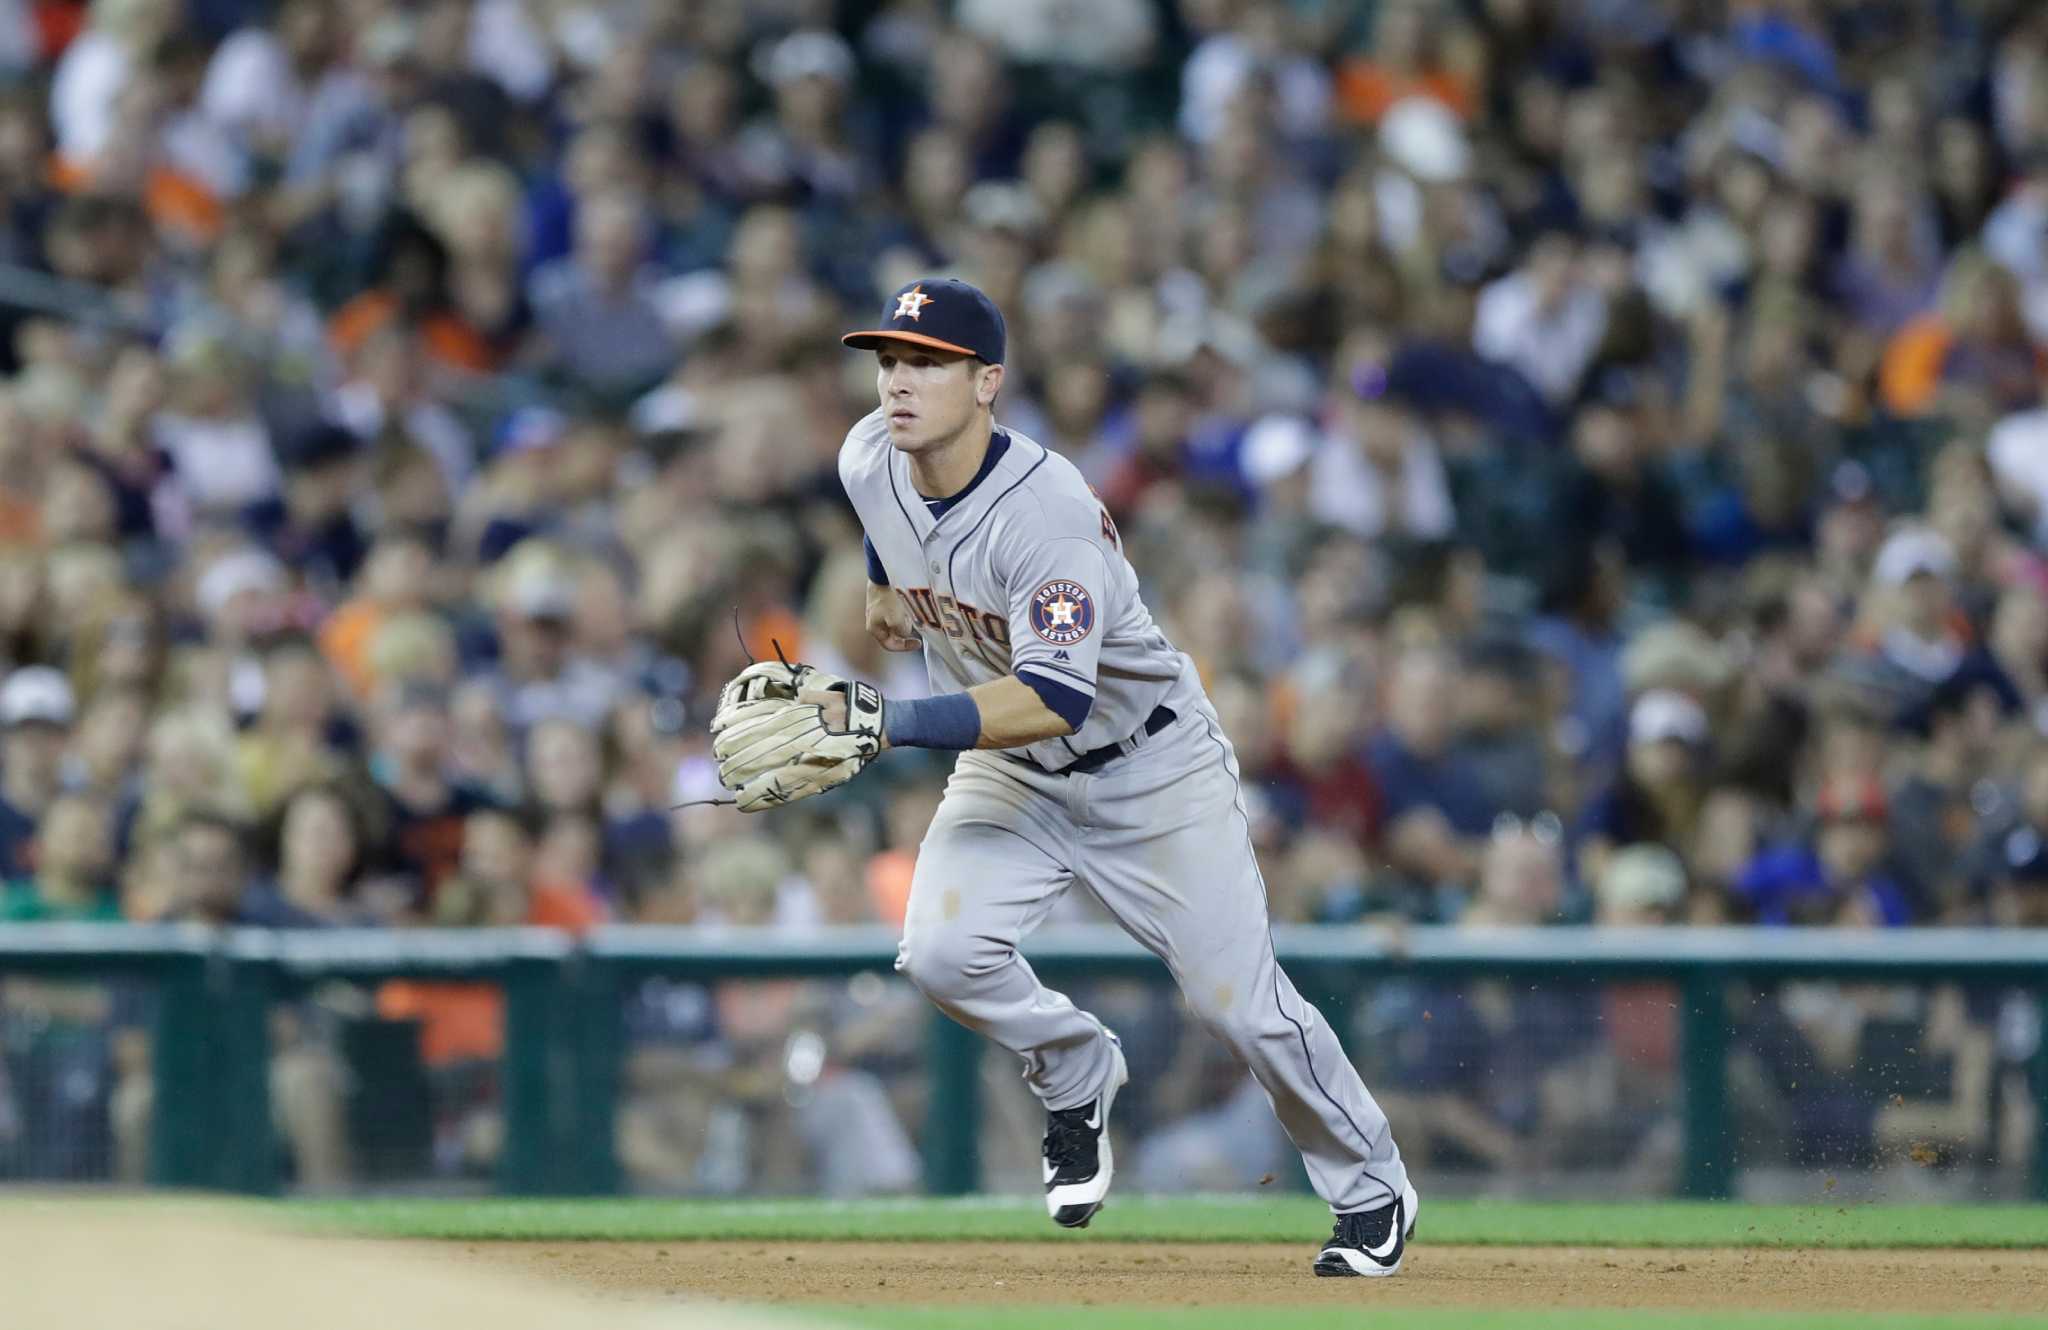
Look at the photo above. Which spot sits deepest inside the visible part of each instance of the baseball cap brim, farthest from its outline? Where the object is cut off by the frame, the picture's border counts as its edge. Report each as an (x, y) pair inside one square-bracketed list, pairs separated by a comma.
[(869, 340)]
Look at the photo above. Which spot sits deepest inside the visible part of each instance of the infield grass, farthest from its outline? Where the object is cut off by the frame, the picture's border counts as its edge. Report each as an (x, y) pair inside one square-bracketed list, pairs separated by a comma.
[(1406, 1318), (1284, 1218)]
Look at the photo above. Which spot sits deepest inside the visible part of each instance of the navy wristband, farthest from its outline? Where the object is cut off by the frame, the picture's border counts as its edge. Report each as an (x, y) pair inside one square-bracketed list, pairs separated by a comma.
[(950, 721)]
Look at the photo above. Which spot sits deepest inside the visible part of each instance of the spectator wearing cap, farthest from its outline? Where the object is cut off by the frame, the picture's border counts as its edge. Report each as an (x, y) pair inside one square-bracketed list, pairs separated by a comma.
[(1912, 623), (801, 153), (1656, 798), (1841, 874), (36, 713), (1377, 472), (537, 675), (1275, 459)]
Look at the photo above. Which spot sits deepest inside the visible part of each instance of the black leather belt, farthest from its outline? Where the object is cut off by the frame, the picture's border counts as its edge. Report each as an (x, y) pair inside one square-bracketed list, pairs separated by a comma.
[(1097, 759)]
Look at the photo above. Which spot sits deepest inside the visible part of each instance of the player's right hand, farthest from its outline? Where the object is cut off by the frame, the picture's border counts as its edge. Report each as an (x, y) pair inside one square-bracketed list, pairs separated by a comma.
[(889, 620)]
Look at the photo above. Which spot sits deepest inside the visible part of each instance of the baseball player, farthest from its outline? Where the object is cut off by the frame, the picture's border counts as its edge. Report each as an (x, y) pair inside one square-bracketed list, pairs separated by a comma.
[(1089, 753)]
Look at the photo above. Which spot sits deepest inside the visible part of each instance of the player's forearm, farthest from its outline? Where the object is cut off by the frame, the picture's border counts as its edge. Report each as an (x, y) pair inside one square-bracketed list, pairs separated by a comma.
[(1003, 713), (1014, 715)]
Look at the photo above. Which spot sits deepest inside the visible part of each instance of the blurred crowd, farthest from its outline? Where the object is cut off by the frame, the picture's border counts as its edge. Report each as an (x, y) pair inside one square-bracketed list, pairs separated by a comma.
[(1596, 451)]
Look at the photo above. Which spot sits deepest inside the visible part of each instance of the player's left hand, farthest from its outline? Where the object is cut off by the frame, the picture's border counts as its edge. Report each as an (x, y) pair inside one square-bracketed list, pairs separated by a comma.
[(791, 732)]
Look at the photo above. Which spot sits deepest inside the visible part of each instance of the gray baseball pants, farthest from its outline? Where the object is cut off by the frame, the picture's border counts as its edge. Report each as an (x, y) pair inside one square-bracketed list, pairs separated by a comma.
[(1161, 837)]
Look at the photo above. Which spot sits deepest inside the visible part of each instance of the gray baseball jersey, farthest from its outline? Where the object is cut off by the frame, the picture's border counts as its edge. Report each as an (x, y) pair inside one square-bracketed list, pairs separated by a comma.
[(1024, 573)]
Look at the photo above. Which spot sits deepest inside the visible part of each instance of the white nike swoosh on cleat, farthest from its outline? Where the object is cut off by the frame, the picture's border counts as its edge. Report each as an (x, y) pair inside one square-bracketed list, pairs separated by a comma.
[(1095, 1119), (1386, 1249)]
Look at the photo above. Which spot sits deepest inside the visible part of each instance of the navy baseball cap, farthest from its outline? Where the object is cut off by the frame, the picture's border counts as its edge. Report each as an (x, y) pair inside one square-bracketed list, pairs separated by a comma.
[(943, 313)]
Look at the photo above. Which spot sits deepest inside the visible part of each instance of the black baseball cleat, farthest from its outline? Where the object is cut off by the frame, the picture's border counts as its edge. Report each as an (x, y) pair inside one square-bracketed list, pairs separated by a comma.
[(1370, 1242), (1077, 1159)]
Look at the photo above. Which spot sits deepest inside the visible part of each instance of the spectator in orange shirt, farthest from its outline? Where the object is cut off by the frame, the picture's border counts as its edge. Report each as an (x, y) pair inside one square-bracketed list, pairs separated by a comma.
[(396, 579), (1970, 356), (1411, 55), (495, 888)]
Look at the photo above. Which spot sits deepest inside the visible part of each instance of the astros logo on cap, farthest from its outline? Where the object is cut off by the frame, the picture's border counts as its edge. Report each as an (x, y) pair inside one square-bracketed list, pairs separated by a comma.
[(911, 303), (1062, 612)]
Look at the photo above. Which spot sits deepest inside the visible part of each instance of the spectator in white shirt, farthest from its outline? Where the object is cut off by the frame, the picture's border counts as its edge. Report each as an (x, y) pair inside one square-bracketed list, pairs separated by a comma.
[(2017, 449), (1544, 319), (2016, 238), (260, 81), (96, 67), (1377, 472)]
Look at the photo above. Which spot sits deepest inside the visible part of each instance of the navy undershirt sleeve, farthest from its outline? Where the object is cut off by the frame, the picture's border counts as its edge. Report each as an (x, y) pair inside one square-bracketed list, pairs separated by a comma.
[(876, 573), (1069, 704)]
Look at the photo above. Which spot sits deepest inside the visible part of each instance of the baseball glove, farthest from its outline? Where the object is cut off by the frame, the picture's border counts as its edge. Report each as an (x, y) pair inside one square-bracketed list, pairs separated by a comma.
[(774, 748)]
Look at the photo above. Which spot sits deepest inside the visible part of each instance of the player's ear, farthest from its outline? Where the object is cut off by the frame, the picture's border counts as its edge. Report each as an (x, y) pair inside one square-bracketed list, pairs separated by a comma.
[(988, 382)]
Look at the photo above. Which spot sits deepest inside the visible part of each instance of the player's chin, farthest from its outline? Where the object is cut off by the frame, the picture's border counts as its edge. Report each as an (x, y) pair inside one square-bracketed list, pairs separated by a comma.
[(910, 436)]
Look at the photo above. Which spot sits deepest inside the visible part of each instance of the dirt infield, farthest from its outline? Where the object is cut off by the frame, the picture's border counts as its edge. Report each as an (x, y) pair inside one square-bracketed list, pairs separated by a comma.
[(162, 1268), (1759, 1279)]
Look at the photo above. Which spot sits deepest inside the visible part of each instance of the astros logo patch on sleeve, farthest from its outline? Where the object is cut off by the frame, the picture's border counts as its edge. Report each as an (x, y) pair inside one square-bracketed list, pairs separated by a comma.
[(1062, 612)]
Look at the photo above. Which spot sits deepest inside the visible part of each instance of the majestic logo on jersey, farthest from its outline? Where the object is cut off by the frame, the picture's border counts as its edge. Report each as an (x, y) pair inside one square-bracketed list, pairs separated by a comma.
[(1062, 612), (911, 303)]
